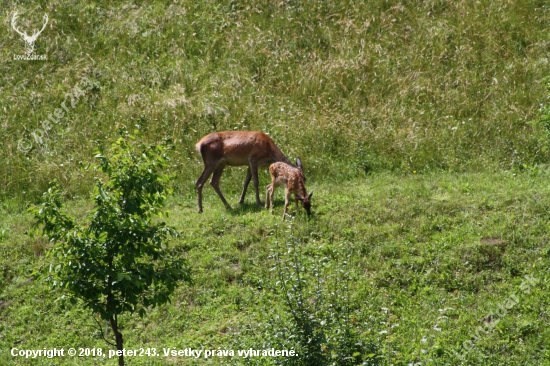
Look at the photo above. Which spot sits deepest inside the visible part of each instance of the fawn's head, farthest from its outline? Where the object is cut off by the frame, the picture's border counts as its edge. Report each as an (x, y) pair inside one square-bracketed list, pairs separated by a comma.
[(306, 202)]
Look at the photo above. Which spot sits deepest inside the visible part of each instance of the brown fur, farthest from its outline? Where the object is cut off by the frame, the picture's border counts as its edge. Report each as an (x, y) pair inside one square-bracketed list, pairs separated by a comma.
[(293, 179), (235, 148)]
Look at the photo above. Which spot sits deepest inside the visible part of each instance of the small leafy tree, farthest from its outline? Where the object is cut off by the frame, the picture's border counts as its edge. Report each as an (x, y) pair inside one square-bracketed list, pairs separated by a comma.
[(116, 261)]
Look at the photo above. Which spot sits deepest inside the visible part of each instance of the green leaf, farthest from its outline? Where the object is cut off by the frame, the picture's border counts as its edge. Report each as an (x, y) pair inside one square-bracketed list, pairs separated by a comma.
[(115, 259)]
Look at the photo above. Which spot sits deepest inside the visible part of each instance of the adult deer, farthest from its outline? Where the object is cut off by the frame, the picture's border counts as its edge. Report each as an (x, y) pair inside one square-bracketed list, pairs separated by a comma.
[(294, 181), (235, 148)]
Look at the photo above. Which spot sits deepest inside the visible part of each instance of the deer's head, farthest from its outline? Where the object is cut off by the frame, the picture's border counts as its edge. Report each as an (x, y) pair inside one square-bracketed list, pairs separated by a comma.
[(306, 202)]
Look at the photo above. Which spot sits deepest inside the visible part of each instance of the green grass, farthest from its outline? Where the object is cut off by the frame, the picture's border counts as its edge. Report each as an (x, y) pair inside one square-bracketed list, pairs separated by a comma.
[(419, 127), (448, 85), (428, 257)]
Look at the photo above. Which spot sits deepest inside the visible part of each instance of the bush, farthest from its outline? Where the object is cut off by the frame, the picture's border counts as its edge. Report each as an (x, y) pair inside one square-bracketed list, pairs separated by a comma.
[(318, 322)]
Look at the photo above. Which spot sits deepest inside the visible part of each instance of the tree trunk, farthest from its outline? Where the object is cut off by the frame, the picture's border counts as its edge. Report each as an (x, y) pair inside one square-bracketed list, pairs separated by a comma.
[(118, 338)]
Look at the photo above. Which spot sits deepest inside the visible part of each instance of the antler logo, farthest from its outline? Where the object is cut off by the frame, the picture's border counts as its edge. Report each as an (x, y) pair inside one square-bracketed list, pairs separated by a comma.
[(28, 39)]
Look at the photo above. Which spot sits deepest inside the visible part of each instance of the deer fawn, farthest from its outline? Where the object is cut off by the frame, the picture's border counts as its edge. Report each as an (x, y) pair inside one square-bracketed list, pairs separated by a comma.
[(293, 179), (235, 148)]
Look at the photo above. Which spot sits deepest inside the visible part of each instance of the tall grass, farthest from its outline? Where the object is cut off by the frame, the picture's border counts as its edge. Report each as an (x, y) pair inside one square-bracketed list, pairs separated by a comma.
[(350, 87)]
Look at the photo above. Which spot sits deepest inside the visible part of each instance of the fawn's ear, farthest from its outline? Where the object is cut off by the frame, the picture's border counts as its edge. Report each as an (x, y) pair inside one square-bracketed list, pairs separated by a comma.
[(310, 194), (298, 163)]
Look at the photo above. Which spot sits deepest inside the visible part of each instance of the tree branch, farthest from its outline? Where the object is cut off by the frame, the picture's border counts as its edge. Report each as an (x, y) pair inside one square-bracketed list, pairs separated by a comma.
[(103, 334)]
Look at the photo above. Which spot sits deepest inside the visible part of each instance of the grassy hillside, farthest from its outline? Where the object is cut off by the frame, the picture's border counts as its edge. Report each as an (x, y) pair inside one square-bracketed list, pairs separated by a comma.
[(413, 267), (418, 125), (351, 87)]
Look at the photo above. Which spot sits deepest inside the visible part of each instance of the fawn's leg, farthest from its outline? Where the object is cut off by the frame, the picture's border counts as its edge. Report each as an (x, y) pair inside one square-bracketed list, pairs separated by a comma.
[(267, 195), (287, 201), (271, 196)]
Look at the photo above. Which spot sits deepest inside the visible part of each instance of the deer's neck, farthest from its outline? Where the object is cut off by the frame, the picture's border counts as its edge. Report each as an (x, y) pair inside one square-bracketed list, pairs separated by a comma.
[(301, 188), (279, 156)]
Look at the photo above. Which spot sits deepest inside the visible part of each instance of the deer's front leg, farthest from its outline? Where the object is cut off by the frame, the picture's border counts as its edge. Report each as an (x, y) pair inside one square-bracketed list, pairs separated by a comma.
[(246, 182), (287, 201), (254, 172)]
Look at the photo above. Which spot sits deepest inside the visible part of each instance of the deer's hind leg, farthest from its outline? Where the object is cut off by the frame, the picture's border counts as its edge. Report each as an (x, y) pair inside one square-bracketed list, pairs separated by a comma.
[(207, 171), (271, 188), (215, 183)]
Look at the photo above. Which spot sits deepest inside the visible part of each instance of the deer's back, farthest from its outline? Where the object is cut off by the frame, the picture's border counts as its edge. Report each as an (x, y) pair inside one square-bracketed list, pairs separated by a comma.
[(286, 175), (237, 147)]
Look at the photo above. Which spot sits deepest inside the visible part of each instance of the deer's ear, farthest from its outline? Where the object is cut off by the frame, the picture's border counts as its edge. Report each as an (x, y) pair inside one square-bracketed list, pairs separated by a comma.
[(298, 163), (310, 194)]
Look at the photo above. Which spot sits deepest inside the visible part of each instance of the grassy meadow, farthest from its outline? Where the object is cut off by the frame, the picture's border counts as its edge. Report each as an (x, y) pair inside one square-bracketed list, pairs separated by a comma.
[(423, 128)]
